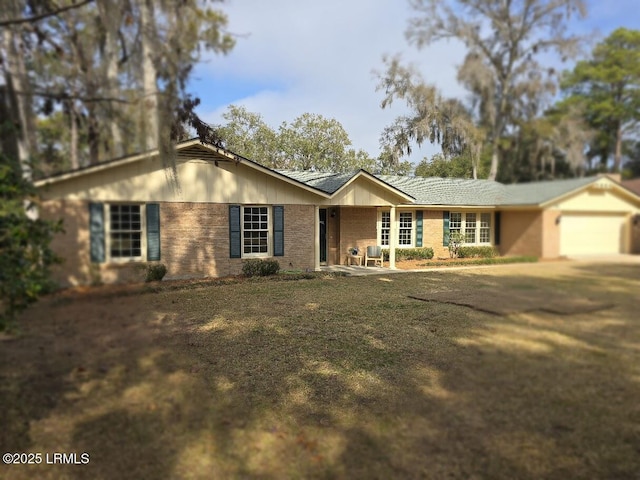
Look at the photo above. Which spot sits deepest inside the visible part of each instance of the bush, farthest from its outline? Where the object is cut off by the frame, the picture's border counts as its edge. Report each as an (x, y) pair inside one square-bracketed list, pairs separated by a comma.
[(155, 272), (420, 253), (260, 268), (26, 256), (456, 240), (477, 252)]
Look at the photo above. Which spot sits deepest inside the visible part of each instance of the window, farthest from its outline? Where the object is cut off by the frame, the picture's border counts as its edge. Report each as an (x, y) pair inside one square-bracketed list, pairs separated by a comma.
[(470, 228), (255, 231), (405, 229), (485, 227), (125, 231), (385, 227), (404, 232), (455, 222), (475, 226)]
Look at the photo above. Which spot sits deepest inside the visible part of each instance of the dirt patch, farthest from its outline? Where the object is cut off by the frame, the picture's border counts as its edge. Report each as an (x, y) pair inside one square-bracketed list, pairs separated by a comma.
[(507, 302)]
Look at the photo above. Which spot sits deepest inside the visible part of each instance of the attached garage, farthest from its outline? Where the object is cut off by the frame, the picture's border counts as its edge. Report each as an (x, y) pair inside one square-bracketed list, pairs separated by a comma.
[(587, 233)]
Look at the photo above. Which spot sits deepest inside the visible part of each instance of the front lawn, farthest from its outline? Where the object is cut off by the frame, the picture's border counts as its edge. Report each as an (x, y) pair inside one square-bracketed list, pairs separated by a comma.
[(335, 377)]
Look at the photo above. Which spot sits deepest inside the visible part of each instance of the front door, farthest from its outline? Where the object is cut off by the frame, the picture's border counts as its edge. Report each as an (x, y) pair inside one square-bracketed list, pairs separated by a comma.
[(323, 235)]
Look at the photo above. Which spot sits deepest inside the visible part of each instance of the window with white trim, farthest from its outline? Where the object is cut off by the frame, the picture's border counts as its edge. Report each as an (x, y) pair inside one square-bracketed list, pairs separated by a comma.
[(255, 231), (476, 227), (470, 228), (405, 229), (485, 228), (385, 228), (125, 231), (455, 222)]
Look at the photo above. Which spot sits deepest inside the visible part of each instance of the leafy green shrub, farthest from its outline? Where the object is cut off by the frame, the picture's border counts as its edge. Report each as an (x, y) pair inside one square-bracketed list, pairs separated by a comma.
[(25, 253), (477, 252), (456, 240), (155, 272), (419, 253), (256, 267)]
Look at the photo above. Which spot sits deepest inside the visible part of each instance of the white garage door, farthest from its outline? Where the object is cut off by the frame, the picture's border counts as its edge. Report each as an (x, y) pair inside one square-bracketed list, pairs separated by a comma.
[(583, 234)]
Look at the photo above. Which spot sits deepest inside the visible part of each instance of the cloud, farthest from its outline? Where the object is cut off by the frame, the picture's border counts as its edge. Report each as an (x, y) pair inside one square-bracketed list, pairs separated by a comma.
[(317, 57), (294, 56)]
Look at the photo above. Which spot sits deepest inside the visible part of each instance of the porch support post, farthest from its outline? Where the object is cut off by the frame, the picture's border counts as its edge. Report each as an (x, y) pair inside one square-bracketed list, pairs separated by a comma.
[(316, 241), (393, 236)]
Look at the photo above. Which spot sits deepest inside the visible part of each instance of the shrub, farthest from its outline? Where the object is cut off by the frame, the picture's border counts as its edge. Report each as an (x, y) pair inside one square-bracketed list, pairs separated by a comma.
[(477, 252), (155, 272), (256, 267), (419, 253), (456, 240)]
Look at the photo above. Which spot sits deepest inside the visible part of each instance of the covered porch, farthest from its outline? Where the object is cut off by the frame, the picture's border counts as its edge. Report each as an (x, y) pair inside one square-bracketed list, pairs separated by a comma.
[(341, 228)]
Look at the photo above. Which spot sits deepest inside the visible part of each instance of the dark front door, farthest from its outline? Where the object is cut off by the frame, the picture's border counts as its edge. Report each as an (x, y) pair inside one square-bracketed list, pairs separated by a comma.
[(323, 235)]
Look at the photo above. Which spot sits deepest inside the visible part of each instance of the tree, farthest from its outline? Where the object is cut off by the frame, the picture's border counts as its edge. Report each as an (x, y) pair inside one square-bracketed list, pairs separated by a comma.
[(117, 69), (25, 253), (313, 142), (247, 134), (504, 40), (432, 117), (607, 87), (88, 65), (310, 142), (458, 166)]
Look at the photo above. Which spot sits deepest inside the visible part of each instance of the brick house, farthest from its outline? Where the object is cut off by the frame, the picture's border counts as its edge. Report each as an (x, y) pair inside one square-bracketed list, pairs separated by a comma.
[(223, 209)]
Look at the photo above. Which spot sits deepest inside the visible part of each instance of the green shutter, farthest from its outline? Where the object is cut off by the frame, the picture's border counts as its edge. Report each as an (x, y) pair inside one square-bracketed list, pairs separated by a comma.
[(496, 229), (235, 242), (278, 231), (153, 232), (445, 228), (96, 232), (419, 228)]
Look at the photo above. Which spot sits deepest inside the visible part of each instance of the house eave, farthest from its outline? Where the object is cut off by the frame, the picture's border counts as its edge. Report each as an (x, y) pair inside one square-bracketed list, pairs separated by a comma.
[(363, 173)]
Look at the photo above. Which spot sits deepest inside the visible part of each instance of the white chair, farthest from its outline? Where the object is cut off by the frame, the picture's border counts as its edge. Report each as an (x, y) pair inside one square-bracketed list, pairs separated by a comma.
[(373, 254)]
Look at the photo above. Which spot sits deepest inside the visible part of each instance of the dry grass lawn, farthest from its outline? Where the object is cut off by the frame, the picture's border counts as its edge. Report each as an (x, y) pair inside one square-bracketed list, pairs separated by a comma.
[(332, 378)]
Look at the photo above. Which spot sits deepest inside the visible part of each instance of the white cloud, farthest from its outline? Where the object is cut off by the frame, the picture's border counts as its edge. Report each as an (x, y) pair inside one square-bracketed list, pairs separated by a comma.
[(297, 56), (321, 57)]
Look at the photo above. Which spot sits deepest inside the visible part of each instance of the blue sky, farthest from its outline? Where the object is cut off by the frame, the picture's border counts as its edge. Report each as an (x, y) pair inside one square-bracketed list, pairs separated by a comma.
[(297, 56)]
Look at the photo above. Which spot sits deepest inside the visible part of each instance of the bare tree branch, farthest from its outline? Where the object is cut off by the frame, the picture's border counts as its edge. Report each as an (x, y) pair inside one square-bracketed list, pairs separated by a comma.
[(42, 16)]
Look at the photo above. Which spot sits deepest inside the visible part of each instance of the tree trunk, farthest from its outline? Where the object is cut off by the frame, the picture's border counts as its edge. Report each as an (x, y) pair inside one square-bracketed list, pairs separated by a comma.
[(617, 158), (493, 172), (73, 136), (108, 10), (149, 77), (18, 97)]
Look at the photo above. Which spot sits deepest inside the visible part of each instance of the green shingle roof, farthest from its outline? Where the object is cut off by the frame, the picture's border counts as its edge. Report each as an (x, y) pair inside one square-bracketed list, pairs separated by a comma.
[(451, 191), (327, 182), (446, 191), (535, 193)]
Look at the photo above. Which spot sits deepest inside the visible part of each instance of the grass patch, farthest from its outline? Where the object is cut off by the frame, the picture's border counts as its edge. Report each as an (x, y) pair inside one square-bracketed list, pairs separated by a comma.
[(338, 377)]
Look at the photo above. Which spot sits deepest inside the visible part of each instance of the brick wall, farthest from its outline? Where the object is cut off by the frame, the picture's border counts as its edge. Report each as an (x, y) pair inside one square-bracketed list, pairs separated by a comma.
[(73, 244), (194, 243), (299, 237), (357, 229), (195, 239), (432, 233), (521, 233), (551, 234)]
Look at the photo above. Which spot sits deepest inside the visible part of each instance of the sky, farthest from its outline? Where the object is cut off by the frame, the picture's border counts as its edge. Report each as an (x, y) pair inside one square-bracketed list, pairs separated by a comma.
[(297, 56)]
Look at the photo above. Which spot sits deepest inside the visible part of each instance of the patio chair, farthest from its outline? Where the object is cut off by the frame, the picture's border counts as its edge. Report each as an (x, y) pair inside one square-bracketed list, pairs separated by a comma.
[(374, 254)]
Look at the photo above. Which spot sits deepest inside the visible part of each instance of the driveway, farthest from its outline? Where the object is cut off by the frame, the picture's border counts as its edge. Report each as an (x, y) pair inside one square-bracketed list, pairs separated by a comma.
[(612, 258)]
